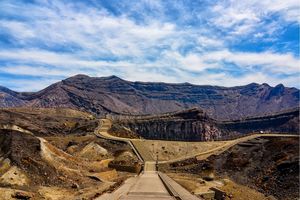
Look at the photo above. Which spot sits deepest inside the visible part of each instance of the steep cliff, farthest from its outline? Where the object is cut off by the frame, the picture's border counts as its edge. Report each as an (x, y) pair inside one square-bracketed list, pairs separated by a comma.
[(283, 122), (196, 125), (188, 125)]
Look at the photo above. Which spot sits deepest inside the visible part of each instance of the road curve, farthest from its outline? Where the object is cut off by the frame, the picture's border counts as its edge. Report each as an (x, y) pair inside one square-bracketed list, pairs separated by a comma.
[(102, 132)]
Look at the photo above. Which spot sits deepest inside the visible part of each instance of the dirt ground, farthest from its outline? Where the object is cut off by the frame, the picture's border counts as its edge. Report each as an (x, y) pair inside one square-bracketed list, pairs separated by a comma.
[(237, 191), (47, 168), (74, 144), (201, 188), (268, 165), (168, 150)]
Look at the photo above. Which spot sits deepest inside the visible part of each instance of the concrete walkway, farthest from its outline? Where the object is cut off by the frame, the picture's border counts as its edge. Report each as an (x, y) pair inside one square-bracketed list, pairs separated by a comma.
[(150, 185), (147, 186)]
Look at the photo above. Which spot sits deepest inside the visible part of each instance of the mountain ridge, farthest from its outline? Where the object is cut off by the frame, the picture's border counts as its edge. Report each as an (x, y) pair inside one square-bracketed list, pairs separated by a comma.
[(104, 95)]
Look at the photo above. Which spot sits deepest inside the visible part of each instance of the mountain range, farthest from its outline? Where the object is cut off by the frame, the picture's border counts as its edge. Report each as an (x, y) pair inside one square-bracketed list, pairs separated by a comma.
[(113, 95)]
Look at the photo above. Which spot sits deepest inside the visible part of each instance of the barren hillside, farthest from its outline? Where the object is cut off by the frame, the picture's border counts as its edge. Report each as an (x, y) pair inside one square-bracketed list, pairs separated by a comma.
[(114, 95)]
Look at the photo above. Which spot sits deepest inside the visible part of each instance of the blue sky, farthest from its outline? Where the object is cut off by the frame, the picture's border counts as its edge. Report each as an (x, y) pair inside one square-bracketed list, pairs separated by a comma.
[(222, 42)]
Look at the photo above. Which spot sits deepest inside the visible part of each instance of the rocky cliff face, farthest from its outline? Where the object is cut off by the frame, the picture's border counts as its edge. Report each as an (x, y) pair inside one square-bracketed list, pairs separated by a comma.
[(188, 125), (182, 130), (284, 122), (195, 125), (114, 95)]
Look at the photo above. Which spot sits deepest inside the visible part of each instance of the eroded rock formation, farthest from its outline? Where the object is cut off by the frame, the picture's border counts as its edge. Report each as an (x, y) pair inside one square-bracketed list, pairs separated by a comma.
[(196, 125), (189, 125)]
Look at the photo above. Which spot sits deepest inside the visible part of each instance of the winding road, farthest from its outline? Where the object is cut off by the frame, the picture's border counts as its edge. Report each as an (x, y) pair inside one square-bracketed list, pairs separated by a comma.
[(144, 154)]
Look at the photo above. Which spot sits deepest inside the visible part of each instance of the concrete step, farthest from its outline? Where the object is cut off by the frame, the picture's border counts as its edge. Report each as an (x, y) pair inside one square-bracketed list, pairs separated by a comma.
[(150, 166)]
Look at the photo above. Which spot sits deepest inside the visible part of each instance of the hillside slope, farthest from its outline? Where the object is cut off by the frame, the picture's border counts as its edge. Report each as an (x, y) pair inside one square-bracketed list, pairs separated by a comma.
[(113, 95), (49, 121)]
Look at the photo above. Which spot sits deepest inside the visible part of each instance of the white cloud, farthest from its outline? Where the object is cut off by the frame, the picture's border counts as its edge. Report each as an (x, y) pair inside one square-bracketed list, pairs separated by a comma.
[(57, 59), (63, 39), (38, 71), (210, 42), (284, 63), (17, 27), (245, 17), (94, 31)]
